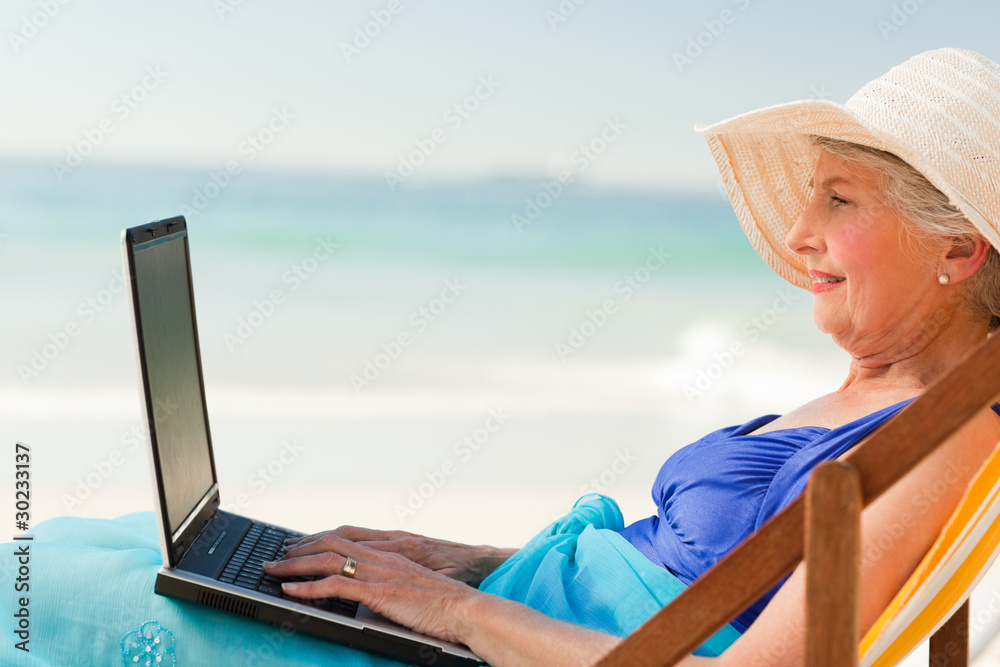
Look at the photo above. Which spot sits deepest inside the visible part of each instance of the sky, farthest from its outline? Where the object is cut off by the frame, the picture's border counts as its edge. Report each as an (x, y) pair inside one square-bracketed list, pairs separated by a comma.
[(452, 89)]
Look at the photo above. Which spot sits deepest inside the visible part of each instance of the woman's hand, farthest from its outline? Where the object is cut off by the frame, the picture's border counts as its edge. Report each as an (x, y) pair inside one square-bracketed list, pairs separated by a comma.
[(465, 563), (500, 631), (388, 583)]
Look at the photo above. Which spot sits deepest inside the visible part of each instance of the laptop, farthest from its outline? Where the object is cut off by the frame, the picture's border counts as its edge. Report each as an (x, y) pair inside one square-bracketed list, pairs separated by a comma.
[(210, 556)]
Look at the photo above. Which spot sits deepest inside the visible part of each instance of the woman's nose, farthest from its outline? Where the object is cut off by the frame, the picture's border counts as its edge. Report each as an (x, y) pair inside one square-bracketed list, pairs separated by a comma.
[(803, 237)]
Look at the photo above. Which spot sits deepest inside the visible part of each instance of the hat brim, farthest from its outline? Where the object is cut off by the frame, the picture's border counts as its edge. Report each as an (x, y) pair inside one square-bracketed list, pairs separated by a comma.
[(766, 162)]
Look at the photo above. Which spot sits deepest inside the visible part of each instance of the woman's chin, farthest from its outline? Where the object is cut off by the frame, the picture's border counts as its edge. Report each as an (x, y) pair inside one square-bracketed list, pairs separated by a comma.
[(843, 334), (824, 322)]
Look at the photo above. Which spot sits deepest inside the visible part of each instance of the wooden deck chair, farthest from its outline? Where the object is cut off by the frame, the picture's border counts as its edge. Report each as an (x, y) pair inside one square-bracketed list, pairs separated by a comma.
[(824, 525)]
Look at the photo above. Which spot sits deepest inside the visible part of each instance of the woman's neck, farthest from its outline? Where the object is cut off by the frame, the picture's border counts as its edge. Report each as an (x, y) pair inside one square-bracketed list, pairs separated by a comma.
[(925, 359)]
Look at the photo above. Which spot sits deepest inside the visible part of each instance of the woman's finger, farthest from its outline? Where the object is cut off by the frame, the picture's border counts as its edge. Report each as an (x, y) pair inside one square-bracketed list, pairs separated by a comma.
[(328, 587), (397, 546), (322, 564), (320, 543), (358, 534), (354, 534), (305, 539)]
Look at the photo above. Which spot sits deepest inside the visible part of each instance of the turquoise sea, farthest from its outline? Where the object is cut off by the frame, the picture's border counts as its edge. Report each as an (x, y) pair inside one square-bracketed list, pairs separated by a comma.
[(459, 358)]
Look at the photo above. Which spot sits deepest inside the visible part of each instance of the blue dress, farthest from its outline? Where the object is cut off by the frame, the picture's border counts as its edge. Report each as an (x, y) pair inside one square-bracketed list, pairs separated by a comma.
[(715, 492)]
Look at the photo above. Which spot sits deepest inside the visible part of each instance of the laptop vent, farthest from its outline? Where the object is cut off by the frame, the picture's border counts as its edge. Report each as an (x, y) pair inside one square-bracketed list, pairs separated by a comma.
[(229, 604)]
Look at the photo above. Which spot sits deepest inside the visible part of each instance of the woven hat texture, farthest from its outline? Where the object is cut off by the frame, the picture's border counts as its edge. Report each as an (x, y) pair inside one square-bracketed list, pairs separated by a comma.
[(939, 111)]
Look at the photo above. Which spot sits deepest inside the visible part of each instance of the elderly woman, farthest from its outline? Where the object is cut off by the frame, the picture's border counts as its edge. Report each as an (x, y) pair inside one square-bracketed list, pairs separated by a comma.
[(888, 211)]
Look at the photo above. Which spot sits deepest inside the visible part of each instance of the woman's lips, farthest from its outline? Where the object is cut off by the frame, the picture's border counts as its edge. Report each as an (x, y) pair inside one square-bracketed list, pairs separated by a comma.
[(825, 285)]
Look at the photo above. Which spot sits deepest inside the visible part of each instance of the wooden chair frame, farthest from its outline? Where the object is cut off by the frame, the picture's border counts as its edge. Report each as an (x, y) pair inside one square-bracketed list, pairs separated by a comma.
[(824, 526)]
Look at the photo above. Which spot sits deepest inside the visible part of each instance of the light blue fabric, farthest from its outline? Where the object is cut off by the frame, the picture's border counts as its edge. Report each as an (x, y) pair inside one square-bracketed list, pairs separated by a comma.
[(581, 570), (92, 603), (92, 600)]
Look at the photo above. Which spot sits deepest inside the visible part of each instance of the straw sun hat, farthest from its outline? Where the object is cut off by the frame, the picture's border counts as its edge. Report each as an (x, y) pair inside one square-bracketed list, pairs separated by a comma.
[(939, 111)]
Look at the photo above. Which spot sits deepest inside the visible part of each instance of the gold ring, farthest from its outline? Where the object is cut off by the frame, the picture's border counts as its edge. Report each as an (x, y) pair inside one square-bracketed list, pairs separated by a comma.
[(350, 567)]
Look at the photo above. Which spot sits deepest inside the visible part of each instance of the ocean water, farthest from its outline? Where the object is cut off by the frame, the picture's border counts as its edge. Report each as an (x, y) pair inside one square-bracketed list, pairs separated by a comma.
[(420, 359)]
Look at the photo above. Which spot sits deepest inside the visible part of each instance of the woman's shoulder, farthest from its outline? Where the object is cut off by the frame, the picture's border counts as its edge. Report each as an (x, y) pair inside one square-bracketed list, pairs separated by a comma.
[(972, 443), (836, 410)]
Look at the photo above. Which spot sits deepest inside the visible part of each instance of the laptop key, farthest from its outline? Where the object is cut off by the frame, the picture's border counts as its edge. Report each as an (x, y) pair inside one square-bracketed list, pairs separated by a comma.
[(270, 588), (343, 607)]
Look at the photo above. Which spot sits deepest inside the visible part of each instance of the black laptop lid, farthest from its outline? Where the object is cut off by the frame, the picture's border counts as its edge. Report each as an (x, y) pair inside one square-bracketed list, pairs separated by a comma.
[(170, 366)]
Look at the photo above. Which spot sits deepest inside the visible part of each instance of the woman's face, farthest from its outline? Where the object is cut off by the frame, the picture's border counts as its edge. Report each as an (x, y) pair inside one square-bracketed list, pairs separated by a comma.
[(873, 291)]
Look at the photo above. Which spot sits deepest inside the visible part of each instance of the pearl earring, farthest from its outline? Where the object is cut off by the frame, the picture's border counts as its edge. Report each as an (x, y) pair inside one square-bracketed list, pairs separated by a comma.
[(944, 279)]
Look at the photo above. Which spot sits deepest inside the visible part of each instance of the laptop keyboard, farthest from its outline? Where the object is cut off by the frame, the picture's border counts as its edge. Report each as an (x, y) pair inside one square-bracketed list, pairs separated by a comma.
[(265, 543)]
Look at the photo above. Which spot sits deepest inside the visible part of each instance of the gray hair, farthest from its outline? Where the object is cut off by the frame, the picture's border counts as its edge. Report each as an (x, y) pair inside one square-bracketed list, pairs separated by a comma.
[(926, 214)]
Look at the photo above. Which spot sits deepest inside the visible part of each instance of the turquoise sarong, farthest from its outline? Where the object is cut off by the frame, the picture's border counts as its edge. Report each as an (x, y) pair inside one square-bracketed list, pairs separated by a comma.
[(581, 570), (92, 601)]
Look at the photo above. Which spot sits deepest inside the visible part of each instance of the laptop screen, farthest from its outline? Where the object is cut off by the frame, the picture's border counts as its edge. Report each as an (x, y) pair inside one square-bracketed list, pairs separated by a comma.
[(168, 341)]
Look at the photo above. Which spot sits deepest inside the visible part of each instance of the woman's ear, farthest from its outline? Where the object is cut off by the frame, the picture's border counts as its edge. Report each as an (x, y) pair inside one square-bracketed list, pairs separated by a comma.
[(966, 255)]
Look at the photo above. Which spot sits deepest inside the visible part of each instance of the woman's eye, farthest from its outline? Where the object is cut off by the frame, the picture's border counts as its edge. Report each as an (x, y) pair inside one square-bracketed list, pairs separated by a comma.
[(838, 201)]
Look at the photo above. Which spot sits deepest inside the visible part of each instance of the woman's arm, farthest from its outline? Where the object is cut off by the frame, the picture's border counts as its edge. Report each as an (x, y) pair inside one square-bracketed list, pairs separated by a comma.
[(503, 632)]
